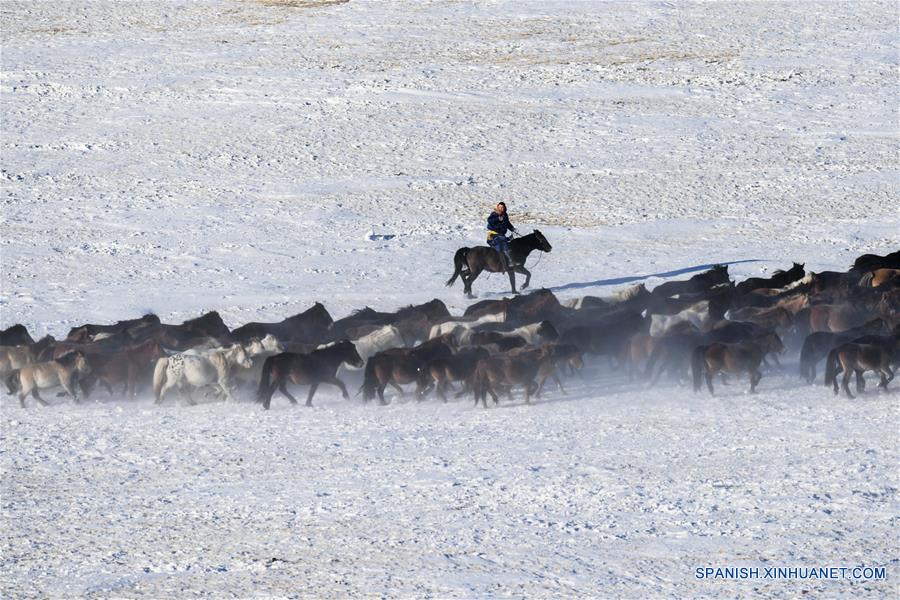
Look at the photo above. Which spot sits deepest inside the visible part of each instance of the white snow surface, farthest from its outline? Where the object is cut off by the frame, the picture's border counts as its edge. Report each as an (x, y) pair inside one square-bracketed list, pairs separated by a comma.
[(253, 157)]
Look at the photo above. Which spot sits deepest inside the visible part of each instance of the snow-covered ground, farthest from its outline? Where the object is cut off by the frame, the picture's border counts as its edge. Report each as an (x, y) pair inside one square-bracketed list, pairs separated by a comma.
[(246, 156)]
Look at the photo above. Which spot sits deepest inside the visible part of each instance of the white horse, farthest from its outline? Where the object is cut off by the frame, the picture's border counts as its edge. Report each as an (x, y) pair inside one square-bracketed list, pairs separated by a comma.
[(616, 298), (259, 351), (534, 333), (696, 314), (64, 371), (14, 357), (458, 328), (372, 343), (185, 371)]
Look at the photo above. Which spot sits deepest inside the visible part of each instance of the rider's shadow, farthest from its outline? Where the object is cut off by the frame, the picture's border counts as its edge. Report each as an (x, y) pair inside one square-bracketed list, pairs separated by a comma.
[(621, 280)]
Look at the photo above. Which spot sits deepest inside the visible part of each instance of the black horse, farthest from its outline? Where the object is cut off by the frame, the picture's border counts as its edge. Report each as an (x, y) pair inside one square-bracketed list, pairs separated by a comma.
[(470, 262), (698, 283), (779, 280)]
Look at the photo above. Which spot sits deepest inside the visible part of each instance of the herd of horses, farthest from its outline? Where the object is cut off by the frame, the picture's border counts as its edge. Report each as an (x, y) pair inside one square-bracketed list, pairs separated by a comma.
[(691, 331)]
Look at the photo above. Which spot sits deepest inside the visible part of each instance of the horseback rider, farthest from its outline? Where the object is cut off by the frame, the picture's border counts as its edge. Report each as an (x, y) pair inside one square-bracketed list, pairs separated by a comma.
[(498, 224)]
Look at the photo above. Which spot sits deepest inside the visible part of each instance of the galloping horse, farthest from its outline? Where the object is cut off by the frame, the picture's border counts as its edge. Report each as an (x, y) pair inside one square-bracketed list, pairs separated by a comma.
[(470, 262), (313, 368), (64, 371)]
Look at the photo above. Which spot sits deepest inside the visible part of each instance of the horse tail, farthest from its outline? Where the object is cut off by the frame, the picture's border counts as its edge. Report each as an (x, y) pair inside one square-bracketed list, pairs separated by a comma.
[(479, 382), (266, 388), (459, 261), (698, 364), (13, 383), (831, 364), (370, 382), (159, 376)]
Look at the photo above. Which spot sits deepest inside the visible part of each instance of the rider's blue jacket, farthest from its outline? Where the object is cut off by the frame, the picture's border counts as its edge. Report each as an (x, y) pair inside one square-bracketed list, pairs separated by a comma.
[(498, 224)]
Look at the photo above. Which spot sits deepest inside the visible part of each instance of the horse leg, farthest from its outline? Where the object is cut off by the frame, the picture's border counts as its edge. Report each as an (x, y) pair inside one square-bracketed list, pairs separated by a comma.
[(312, 391), (226, 388), (397, 387), (530, 388), (860, 381), (890, 375), (755, 376), (512, 280), (473, 275), (66, 383), (162, 392), (838, 370), (521, 269), (710, 373), (845, 382), (777, 362), (340, 385), (559, 384), (282, 387), (37, 396), (187, 394), (493, 394)]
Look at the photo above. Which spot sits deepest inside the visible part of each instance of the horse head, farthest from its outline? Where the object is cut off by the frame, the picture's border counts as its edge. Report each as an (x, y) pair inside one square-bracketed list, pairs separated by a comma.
[(547, 331), (719, 273), (239, 356), (319, 311), (351, 356), (80, 362), (542, 242), (271, 344)]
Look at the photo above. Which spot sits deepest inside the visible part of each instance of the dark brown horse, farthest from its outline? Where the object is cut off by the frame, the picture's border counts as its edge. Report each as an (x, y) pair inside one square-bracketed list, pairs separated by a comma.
[(470, 262), (310, 326), (459, 367), (778, 280), (610, 337), (698, 283), (818, 344), (744, 357), (17, 335), (870, 262), (836, 317), (400, 366), (84, 333), (413, 321), (858, 358), (318, 367), (129, 368), (528, 367)]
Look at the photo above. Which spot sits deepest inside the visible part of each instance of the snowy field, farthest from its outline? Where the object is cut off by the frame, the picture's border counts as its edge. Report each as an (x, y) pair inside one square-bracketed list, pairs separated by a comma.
[(252, 157)]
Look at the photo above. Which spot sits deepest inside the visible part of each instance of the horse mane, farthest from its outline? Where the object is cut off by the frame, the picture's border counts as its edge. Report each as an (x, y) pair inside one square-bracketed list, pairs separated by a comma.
[(629, 293), (17, 328), (210, 316), (318, 307), (428, 307)]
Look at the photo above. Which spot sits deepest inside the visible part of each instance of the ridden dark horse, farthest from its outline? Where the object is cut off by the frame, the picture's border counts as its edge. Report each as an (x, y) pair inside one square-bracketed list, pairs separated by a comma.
[(470, 262)]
